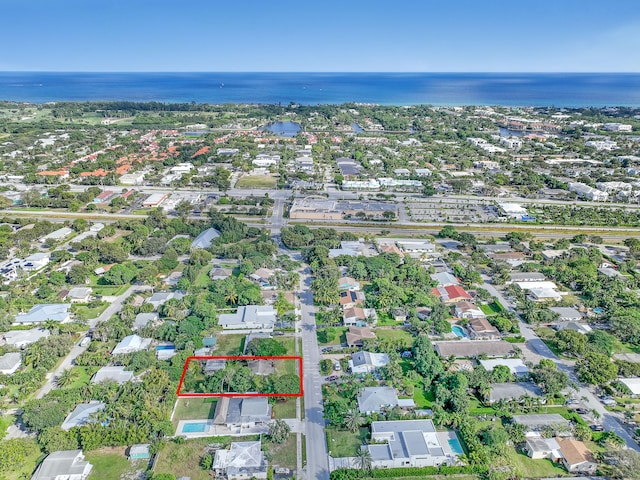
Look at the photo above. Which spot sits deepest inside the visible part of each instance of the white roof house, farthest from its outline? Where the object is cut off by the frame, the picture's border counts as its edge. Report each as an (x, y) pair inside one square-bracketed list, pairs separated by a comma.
[(131, 344), (22, 338), (143, 319), (249, 318), (116, 374), (365, 362), (516, 366), (375, 399), (63, 465), (576, 326), (79, 294), (567, 314), (632, 384), (414, 443), (59, 234), (82, 414), (243, 460), (204, 239), (57, 312), (10, 362), (160, 298)]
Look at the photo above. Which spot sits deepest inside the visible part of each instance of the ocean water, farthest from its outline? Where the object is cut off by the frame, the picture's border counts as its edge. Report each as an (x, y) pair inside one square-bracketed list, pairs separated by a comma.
[(515, 89)]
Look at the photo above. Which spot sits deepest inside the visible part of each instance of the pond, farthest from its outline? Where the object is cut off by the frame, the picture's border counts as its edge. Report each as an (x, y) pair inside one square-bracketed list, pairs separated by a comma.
[(284, 129)]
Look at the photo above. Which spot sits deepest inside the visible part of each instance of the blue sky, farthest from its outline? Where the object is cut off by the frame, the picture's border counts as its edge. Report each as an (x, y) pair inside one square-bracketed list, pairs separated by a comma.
[(325, 35)]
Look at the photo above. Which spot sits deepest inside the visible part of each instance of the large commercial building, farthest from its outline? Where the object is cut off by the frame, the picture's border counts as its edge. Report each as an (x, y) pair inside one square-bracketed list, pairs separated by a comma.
[(318, 208)]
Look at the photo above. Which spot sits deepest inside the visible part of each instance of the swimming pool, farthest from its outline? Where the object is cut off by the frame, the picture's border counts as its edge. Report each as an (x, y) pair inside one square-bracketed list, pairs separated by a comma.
[(166, 347), (459, 331), (196, 427), (456, 448)]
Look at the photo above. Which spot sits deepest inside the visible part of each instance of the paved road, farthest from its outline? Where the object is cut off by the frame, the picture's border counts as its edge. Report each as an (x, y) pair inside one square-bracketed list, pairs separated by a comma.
[(317, 451), (535, 349), (68, 361)]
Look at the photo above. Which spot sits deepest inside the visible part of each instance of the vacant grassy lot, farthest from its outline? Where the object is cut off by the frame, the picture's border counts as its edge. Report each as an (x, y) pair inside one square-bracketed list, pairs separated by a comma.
[(286, 409), (248, 181), (229, 345), (402, 336), (283, 454), (344, 443), (194, 409), (331, 335), (112, 464)]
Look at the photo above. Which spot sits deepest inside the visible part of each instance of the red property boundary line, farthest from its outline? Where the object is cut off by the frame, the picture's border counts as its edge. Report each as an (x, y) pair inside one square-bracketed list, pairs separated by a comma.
[(237, 394)]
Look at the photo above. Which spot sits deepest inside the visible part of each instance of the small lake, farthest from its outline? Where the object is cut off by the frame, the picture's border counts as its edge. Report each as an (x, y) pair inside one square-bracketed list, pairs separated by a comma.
[(284, 129)]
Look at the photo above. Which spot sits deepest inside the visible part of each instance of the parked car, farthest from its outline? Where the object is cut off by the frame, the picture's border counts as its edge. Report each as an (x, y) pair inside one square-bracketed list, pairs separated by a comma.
[(332, 378), (337, 367), (596, 428)]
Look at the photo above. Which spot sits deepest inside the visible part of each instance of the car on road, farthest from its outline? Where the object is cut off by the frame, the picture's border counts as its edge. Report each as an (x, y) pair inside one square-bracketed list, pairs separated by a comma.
[(596, 428), (85, 341), (331, 378)]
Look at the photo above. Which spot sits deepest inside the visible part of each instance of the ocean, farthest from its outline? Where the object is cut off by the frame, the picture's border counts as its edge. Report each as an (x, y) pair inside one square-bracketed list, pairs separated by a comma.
[(440, 89)]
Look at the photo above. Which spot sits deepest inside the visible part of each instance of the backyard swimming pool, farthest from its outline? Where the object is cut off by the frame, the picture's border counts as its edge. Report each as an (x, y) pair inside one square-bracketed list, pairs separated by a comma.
[(456, 448), (196, 427), (458, 331)]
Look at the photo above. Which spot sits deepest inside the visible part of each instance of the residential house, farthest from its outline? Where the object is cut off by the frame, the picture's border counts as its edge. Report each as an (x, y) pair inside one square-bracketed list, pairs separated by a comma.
[(262, 276), (160, 298), (515, 365), (469, 349), (214, 365), (514, 391), (63, 465), (376, 399), (576, 457), (367, 362), (451, 294), (10, 362), (55, 312), (567, 314), (218, 273), (356, 335), (538, 447), (348, 283), (35, 261), (115, 374), (82, 415), (582, 328), (243, 461), (444, 279), (633, 384), (131, 344), (468, 310), (57, 235), (79, 295), (536, 423), (245, 412), (526, 277), (22, 338), (143, 319), (409, 443), (514, 259), (544, 295), (250, 318), (262, 368), (480, 328), (351, 298), (358, 317)]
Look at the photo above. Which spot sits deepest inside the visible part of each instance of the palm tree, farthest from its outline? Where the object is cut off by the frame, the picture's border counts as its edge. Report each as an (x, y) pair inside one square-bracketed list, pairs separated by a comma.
[(363, 459), (66, 378), (353, 419)]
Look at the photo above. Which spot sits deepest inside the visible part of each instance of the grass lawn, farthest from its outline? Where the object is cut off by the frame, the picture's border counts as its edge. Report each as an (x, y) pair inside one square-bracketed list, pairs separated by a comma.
[(183, 459), (345, 444), (397, 335), (86, 313), (203, 279), (194, 409), (82, 376), (386, 320), (421, 398), (112, 464), (248, 181), (6, 421), (26, 469), (286, 366), (331, 335), (286, 409), (109, 290), (229, 345), (283, 454), (492, 308), (536, 468)]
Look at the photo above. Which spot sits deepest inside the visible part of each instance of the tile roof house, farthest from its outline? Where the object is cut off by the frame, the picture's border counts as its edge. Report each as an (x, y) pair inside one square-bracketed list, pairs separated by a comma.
[(576, 457), (244, 460), (367, 362), (409, 443), (131, 344), (357, 316), (351, 298), (10, 362), (451, 294), (468, 310), (56, 312), (468, 349), (249, 318), (481, 328), (63, 465), (82, 415), (355, 335)]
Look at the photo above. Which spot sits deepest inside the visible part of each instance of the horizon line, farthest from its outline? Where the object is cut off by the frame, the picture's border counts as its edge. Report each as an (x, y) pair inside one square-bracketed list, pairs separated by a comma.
[(399, 72)]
